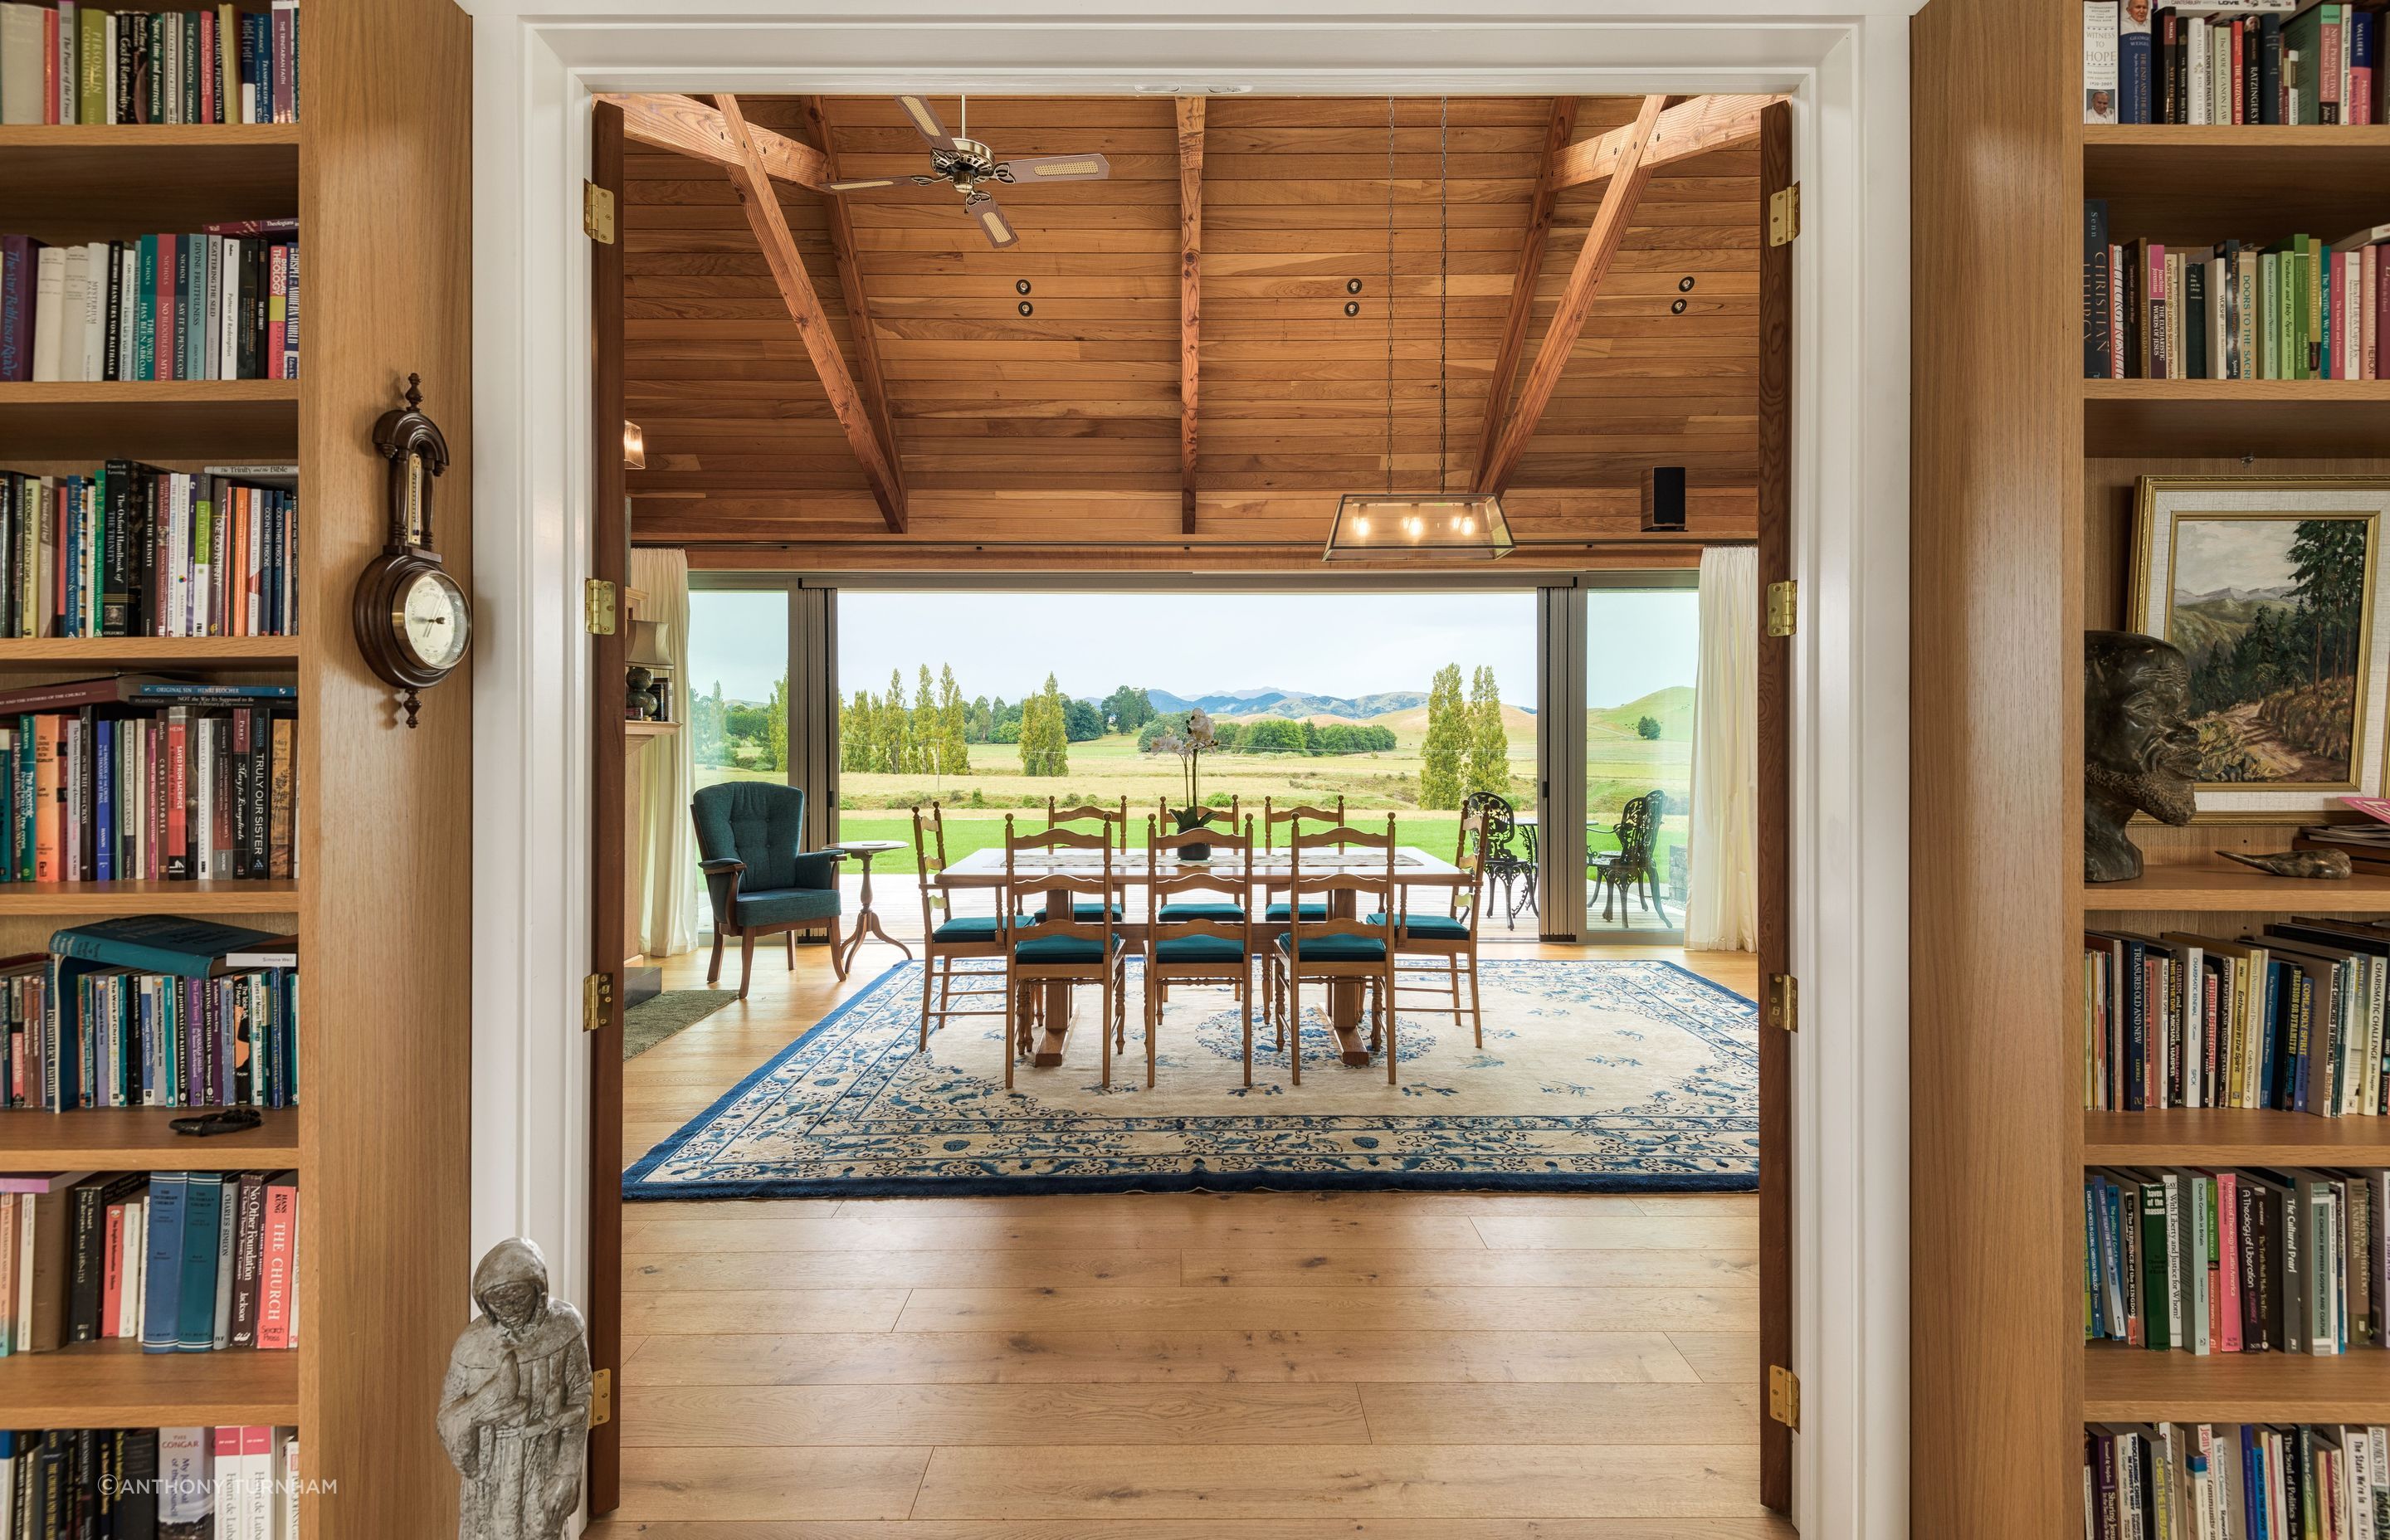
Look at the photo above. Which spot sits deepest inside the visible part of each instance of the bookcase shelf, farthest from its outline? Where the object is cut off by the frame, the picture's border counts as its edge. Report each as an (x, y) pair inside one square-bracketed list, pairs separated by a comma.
[(2219, 1137), (2176, 183), (114, 1384), (160, 420), (81, 182), (136, 1138), (85, 900), (49, 653), (2231, 886), (2135, 419), (2130, 1384)]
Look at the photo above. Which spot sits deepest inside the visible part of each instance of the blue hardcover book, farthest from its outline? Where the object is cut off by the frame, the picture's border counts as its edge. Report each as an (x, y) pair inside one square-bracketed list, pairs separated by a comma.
[(2268, 1044), (24, 769), (195, 1310), (162, 1268), (2134, 71), (103, 863), (176, 691), (156, 943)]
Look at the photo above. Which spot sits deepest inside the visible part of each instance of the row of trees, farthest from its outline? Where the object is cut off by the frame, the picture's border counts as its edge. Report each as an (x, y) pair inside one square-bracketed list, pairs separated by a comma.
[(733, 732), (1279, 735), (1467, 749), (925, 737)]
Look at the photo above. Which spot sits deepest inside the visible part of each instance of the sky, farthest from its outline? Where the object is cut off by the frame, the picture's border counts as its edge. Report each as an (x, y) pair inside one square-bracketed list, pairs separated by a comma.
[(1196, 643)]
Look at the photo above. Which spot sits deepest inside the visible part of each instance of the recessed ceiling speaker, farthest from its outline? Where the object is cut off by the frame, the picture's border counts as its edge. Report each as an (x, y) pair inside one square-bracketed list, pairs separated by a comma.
[(1664, 499)]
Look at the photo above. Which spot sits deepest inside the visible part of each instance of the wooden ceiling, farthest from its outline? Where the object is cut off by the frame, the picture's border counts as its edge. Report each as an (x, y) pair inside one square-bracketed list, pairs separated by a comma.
[(1054, 438)]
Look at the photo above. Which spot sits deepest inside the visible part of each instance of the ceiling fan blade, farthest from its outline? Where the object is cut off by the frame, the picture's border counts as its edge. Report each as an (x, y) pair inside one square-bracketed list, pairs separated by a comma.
[(862, 183), (925, 118), (1055, 167), (998, 229)]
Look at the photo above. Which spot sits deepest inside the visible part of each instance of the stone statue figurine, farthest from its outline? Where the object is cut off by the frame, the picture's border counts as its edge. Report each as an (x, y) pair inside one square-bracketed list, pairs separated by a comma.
[(2140, 753), (514, 1411)]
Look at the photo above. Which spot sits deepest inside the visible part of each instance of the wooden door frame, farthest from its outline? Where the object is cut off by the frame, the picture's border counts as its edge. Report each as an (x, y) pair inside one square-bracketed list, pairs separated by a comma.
[(610, 559)]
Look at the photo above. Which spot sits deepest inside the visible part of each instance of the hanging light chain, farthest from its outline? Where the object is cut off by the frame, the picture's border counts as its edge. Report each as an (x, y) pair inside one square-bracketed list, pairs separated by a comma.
[(1443, 283), (1390, 295)]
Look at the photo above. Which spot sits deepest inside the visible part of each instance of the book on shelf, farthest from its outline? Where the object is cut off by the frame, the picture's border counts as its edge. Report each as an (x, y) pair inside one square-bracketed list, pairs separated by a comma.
[(70, 63), (2290, 1020), (2199, 1260), (222, 303), (179, 1260), (152, 788), (2300, 309), (228, 1482), (2222, 63), (122, 1014), (2212, 1480), (129, 550)]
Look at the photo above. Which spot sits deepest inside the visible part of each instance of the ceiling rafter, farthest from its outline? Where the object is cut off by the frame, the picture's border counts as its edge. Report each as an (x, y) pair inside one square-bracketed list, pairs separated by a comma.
[(1562, 129), (748, 174), (1629, 175), (869, 377), (1689, 128), (687, 125), (1190, 254)]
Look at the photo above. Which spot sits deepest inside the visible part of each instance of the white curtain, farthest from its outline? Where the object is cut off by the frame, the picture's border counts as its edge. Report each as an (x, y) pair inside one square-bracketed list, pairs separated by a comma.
[(665, 855), (1722, 900)]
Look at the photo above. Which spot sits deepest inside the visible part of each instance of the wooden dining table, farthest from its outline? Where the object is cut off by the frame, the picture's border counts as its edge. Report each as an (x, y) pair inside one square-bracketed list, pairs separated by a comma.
[(984, 868)]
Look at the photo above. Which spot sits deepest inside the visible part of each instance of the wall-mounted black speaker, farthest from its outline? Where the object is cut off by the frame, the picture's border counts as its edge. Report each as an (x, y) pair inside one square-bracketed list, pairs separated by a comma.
[(1663, 498)]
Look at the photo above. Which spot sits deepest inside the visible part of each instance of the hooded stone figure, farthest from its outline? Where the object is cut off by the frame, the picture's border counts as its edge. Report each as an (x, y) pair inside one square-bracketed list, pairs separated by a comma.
[(514, 1411)]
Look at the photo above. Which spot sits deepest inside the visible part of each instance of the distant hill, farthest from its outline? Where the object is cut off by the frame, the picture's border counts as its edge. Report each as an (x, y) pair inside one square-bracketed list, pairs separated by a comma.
[(1296, 704), (1672, 706), (1411, 722), (2213, 621)]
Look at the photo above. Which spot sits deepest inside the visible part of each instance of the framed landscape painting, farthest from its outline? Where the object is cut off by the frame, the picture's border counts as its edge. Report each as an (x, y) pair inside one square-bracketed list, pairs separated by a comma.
[(2273, 590)]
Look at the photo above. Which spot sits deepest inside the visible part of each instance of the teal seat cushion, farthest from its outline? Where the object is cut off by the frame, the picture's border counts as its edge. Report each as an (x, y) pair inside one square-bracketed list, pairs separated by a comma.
[(966, 927), (1431, 926), (1338, 949), (1083, 910), (1198, 949), (1221, 910), (786, 906), (1277, 913), (1062, 949)]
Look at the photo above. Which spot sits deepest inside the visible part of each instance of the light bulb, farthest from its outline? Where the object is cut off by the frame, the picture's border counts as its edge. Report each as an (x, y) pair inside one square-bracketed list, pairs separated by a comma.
[(1361, 524), (1469, 526)]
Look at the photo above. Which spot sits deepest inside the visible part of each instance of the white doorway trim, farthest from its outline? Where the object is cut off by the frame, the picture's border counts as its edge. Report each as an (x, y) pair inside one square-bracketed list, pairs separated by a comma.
[(535, 62)]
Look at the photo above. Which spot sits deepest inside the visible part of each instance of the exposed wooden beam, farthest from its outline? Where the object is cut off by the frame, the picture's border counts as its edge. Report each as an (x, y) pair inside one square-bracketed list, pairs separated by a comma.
[(688, 126), (1190, 286), (911, 557), (1593, 259), (1684, 130), (1557, 136), (771, 228), (869, 379)]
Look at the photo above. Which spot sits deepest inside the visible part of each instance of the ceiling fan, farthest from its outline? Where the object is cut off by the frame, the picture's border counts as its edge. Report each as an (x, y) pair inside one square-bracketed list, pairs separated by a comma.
[(965, 164)]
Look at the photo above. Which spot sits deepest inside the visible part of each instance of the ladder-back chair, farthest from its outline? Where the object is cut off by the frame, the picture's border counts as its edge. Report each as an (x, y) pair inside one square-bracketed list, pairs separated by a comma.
[(1338, 949), (948, 938), (1062, 949), (1452, 935), (1198, 948)]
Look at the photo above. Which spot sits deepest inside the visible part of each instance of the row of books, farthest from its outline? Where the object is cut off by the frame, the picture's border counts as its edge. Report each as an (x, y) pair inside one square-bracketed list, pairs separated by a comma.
[(220, 304), (131, 550), (183, 1261), (2216, 1481), (2219, 62), (69, 63), (2290, 1020), (2209, 1262), (230, 1483), (2301, 308)]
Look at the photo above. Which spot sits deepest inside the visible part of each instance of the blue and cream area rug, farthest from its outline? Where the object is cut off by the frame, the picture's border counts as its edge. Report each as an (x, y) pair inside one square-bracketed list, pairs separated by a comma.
[(1596, 1076)]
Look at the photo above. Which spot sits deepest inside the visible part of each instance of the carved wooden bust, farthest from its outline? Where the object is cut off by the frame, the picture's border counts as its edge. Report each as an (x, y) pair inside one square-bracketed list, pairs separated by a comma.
[(2140, 753)]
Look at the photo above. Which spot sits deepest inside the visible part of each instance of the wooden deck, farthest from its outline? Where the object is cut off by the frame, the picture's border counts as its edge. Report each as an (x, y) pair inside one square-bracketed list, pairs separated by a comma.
[(1175, 1366)]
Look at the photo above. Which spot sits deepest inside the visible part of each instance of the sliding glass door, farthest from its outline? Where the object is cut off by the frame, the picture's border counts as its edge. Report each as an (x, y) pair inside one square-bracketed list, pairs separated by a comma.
[(1641, 649)]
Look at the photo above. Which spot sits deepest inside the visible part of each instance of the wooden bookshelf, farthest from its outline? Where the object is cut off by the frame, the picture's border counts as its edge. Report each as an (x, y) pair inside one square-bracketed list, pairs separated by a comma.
[(2022, 477), (114, 1384), (136, 1138), (379, 174)]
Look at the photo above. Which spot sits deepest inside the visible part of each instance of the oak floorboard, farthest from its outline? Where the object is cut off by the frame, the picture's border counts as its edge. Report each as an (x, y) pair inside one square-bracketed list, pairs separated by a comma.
[(745, 1481), (1427, 1355), (1599, 1232), (1720, 1357), (1107, 1230), (1311, 1309), (879, 1413), (1524, 1414), (1333, 1266), (1199, 1529), (671, 1313), (648, 1272)]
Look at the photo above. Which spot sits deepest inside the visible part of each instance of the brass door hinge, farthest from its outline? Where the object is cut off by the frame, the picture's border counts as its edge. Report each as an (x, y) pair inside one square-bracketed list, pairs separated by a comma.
[(598, 212), (1784, 1001), (597, 1000), (597, 604), (1783, 608), (601, 1398), (1784, 1396), (1783, 215)]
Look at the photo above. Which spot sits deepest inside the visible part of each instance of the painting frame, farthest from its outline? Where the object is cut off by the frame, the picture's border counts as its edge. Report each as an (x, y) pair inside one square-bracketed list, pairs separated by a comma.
[(2163, 507)]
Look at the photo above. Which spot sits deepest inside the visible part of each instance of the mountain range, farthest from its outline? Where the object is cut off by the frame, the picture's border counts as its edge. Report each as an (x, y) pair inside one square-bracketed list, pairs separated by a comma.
[(1297, 704)]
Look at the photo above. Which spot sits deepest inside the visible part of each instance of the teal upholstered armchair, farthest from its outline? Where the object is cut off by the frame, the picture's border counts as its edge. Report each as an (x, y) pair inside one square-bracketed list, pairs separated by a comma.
[(762, 884)]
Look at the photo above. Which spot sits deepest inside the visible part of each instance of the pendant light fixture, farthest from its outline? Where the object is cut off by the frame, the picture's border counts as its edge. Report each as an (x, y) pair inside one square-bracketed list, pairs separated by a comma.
[(1391, 525)]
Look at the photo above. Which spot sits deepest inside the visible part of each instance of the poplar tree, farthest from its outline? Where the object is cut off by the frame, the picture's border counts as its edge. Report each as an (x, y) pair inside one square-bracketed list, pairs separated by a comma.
[(1489, 741), (922, 758), (894, 731), (954, 757), (1442, 755)]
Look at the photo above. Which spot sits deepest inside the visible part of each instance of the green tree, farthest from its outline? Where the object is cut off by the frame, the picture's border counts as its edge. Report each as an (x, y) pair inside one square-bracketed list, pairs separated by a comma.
[(775, 728), (894, 725), (1044, 733), (1647, 727), (705, 725), (1442, 755), (1127, 709), (1275, 734), (921, 743), (854, 732), (954, 759), (1489, 741)]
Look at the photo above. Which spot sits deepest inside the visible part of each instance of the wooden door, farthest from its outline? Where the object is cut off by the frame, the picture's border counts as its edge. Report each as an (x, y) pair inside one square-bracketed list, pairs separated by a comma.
[(609, 561), (1775, 809)]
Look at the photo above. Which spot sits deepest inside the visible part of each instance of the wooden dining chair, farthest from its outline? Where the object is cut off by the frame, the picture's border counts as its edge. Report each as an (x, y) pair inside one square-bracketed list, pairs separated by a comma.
[(1275, 913), (1338, 948), (1111, 821), (1451, 936), (1203, 908), (1063, 950), (1209, 948), (948, 938)]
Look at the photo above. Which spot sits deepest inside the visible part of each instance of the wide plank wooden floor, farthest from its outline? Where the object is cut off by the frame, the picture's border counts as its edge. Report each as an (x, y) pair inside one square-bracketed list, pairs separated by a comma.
[(1173, 1367)]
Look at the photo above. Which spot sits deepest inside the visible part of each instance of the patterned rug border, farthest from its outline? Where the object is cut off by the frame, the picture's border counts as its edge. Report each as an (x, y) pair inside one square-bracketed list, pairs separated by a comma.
[(634, 1188)]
